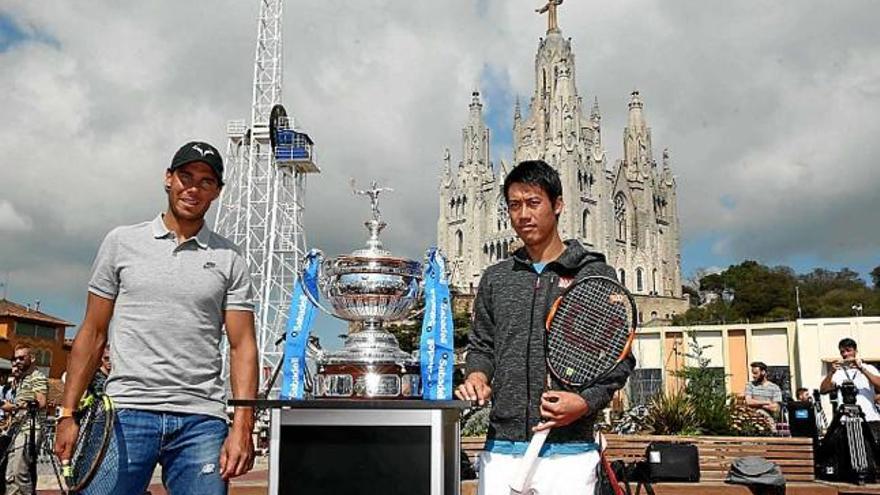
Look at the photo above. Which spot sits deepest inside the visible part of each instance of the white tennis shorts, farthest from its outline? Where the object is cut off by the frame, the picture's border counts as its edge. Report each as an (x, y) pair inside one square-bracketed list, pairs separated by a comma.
[(573, 474)]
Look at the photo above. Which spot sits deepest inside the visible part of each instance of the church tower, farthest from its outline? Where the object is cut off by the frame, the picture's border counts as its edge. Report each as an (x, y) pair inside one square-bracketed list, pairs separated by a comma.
[(461, 224), (627, 212)]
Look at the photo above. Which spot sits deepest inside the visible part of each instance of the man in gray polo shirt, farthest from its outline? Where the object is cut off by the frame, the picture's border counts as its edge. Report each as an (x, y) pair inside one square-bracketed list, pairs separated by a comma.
[(762, 394), (162, 291)]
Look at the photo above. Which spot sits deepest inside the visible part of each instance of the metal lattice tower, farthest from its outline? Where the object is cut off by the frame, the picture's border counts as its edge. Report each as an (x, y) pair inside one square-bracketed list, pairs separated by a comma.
[(261, 206)]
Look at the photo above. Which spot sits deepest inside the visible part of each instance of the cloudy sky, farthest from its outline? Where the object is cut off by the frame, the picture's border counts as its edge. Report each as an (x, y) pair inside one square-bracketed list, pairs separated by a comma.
[(769, 108)]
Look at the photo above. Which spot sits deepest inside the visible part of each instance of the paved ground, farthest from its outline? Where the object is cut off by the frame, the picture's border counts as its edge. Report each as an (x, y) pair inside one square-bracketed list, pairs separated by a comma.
[(254, 483)]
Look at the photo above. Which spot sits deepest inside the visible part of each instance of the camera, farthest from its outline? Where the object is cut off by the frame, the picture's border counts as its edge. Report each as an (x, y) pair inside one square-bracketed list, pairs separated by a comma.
[(849, 392)]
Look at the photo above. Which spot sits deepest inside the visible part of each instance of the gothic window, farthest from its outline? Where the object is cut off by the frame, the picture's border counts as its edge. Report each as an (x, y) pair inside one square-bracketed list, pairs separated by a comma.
[(503, 215), (585, 226), (654, 281), (43, 357), (459, 241), (622, 274), (620, 216), (644, 384), (544, 81), (660, 206), (585, 181), (491, 253), (640, 283)]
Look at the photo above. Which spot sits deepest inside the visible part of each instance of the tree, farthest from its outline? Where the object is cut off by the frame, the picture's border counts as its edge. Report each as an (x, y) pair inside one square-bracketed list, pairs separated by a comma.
[(693, 294), (759, 289), (409, 332), (875, 277), (760, 292), (713, 282)]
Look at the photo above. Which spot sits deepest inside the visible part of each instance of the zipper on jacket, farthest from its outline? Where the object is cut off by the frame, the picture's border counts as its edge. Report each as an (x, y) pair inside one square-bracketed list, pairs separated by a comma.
[(529, 355)]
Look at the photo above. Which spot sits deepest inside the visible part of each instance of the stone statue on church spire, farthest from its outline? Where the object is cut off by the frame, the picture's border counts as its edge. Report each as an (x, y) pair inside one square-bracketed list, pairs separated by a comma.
[(550, 8)]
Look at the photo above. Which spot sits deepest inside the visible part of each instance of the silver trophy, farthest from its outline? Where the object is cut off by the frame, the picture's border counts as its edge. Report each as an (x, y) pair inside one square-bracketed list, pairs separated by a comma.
[(370, 286)]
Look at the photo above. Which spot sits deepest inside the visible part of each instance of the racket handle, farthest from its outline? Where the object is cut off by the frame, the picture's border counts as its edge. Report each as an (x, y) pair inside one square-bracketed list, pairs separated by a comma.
[(528, 461)]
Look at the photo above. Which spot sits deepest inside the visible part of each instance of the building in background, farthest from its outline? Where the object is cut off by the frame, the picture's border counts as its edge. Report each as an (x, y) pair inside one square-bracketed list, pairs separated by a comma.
[(797, 353), (627, 212), (44, 332)]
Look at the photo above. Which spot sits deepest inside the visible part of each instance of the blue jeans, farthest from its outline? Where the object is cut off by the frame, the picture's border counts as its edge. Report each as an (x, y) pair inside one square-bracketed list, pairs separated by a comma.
[(187, 446)]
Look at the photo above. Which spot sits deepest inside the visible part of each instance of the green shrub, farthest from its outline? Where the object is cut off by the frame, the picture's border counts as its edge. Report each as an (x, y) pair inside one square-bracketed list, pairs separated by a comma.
[(670, 414), (704, 389)]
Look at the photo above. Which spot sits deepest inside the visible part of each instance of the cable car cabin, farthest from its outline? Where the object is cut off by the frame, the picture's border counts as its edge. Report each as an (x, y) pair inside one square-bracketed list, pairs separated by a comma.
[(295, 149)]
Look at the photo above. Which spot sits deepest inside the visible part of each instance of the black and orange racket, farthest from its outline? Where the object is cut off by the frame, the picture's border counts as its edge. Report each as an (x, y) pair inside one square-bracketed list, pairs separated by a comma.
[(590, 329)]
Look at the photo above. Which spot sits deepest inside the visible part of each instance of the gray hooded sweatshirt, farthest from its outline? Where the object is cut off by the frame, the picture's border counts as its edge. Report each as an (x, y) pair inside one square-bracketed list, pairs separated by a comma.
[(506, 343)]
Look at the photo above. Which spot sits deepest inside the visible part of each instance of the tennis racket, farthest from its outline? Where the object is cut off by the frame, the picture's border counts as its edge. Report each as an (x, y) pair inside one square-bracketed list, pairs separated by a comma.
[(95, 418), (589, 329)]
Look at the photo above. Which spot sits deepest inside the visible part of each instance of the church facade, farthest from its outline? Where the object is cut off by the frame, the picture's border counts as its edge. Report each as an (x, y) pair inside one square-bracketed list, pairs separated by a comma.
[(626, 210)]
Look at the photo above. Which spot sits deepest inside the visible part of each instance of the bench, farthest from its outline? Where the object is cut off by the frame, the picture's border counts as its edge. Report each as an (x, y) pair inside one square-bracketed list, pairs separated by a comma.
[(793, 455), (472, 446)]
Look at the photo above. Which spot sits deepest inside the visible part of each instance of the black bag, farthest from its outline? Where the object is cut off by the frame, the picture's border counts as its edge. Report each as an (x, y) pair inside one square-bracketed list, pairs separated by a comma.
[(634, 472), (669, 461)]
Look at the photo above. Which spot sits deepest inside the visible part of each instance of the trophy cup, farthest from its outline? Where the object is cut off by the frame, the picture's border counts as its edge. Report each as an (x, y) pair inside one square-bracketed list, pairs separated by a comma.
[(370, 286)]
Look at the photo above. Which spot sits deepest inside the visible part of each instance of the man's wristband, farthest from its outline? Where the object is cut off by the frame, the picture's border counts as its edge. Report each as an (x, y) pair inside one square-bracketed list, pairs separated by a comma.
[(64, 412)]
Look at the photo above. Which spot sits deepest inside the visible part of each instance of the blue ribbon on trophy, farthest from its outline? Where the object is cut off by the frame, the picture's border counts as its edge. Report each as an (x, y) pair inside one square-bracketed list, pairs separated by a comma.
[(436, 349), (299, 324)]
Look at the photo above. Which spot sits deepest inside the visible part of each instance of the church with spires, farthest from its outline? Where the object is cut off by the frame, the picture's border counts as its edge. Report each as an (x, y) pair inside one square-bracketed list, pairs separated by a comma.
[(626, 210)]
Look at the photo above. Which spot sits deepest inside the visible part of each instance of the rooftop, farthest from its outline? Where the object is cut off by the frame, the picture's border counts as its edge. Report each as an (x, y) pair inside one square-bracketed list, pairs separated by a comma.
[(17, 311)]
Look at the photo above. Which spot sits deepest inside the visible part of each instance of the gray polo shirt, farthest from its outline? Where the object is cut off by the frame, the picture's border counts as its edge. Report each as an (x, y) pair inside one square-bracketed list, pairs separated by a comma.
[(169, 308), (766, 391)]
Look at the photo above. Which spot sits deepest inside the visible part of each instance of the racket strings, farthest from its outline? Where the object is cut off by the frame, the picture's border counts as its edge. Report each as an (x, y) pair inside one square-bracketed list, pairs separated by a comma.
[(91, 443), (589, 331)]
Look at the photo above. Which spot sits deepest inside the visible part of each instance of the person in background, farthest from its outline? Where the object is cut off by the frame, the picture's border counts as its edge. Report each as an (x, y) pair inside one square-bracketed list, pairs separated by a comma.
[(762, 394), (96, 387), (7, 394), (32, 387), (864, 376), (803, 395)]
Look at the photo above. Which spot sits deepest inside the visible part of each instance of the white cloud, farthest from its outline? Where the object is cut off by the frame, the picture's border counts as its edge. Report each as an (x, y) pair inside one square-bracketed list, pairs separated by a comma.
[(11, 220), (772, 108)]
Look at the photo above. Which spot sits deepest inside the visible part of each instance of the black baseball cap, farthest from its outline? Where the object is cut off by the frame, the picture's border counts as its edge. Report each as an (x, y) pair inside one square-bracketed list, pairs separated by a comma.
[(199, 151)]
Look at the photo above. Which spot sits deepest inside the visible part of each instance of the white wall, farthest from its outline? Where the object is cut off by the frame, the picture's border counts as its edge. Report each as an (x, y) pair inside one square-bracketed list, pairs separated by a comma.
[(816, 346)]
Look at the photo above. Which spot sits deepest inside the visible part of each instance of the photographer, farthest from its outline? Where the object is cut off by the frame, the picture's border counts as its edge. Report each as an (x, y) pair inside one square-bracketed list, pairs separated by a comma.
[(32, 387), (865, 377)]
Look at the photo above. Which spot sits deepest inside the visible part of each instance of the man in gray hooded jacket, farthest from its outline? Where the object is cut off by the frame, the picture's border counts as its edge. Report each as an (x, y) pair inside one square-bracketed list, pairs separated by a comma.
[(505, 359)]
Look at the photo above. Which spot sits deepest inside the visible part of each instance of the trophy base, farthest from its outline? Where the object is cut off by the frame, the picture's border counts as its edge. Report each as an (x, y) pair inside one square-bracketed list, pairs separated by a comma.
[(368, 381)]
